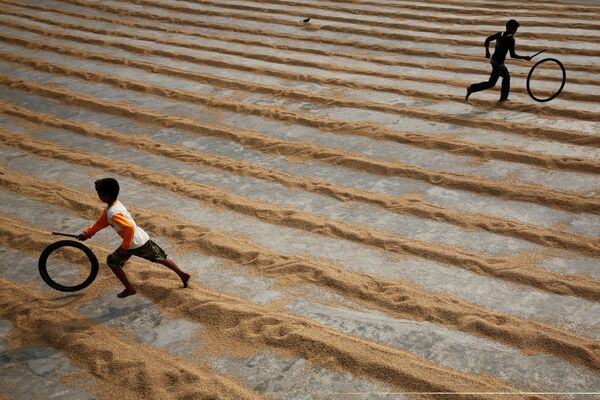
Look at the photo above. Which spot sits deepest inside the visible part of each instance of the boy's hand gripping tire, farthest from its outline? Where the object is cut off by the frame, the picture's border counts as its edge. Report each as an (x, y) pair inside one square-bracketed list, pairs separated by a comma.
[(68, 243)]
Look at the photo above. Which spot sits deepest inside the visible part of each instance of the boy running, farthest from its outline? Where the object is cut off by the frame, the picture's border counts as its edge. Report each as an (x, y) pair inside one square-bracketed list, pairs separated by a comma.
[(136, 241), (505, 42)]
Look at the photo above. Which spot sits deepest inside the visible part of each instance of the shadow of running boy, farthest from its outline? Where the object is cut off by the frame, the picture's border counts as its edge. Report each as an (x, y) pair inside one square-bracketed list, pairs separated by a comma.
[(136, 241)]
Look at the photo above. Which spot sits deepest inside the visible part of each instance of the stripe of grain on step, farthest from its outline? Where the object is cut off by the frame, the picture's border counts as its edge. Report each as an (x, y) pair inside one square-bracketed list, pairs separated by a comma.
[(513, 270), (451, 12), (281, 114), (508, 5), (135, 371), (271, 34), (305, 150), (409, 29), (567, 95), (236, 320), (420, 140), (399, 299), (544, 236), (186, 22), (266, 16), (405, 10), (268, 89), (410, 24)]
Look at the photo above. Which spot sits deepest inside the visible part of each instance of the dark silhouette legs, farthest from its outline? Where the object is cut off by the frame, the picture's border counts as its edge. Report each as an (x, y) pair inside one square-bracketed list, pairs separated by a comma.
[(505, 84), (497, 72)]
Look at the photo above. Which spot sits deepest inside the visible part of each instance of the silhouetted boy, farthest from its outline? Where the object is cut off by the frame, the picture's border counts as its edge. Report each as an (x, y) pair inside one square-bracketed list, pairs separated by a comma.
[(505, 42), (136, 241)]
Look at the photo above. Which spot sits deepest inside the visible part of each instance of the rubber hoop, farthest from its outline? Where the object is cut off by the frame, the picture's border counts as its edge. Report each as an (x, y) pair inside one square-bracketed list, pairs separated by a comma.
[(67, 243), (564, 80)]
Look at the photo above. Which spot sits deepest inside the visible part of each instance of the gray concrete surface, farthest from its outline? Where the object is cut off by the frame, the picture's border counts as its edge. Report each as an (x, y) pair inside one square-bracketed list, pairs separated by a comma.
[(37, 372), (493, 293)]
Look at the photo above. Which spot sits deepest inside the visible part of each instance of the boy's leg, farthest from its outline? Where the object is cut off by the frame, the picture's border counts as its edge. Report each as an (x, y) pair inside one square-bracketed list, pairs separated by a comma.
[(505, 84), (116, 261), (477, 87), (185, 278), (129, 289), (153, 252)]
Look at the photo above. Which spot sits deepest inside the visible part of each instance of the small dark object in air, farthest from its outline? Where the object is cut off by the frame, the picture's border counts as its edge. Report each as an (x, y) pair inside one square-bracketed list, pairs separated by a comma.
[(306, 20)]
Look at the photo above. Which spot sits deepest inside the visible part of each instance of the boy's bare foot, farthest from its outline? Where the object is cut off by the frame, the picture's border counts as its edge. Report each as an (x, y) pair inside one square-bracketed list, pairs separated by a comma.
[(185, 278), (126, 293)]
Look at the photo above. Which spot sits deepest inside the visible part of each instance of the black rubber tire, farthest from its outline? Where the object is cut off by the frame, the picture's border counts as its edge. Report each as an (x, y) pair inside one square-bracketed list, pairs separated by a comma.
[(564, 79), (68, 243)]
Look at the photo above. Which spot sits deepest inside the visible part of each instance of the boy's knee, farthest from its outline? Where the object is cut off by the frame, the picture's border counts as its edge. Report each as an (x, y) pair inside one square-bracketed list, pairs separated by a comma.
[(112, 261)]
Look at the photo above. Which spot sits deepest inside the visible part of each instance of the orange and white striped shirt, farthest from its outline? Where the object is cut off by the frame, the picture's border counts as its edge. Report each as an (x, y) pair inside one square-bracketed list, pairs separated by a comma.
[(117, 216)]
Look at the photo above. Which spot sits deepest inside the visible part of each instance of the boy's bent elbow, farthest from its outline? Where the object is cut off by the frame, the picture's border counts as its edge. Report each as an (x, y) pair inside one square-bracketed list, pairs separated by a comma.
[(490, 38)]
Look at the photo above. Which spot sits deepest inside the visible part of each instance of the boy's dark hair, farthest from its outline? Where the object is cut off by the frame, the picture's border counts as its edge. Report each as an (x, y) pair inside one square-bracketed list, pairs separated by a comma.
[(108, 187), (512, 25)]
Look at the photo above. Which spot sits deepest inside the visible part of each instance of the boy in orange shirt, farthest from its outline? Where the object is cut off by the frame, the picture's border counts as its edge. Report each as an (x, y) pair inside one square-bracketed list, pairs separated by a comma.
[(136, 241)]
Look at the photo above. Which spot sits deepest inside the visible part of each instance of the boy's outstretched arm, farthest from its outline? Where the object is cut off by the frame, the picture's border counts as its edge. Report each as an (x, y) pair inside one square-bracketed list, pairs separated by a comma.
[(92, 230), (487, 43), (513, 54)]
